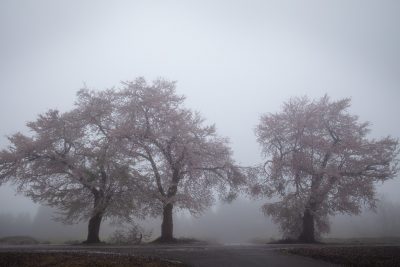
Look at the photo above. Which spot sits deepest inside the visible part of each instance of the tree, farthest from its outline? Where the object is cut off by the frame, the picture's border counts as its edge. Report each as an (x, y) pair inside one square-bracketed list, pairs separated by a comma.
[(72, 161), (184, 163), (320, 162)]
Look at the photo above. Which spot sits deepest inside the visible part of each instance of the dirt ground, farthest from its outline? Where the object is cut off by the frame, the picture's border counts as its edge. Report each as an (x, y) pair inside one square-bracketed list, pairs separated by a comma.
[(71, 259), (366, 256), (299, 255)]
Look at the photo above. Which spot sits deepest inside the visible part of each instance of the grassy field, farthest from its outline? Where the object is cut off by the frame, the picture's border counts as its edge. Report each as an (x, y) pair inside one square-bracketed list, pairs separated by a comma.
[(363, 240)]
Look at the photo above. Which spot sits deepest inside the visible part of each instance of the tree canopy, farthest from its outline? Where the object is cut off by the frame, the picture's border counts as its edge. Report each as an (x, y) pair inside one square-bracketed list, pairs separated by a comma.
[(138, 151), (186, 163), (72, 161), (319, 162), (134, 151)]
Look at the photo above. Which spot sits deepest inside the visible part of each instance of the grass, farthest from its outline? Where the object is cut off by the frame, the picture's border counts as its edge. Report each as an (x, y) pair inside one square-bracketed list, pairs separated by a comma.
[(179, 241), (18, 240), (291, 241), (363, 240)]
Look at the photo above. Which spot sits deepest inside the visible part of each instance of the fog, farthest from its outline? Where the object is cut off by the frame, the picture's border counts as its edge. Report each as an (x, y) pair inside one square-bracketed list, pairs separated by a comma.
[(237, 222), (233, 60)]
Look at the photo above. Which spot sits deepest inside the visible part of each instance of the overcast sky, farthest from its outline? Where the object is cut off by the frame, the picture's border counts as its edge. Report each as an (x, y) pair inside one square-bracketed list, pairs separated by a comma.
[(233, 60)]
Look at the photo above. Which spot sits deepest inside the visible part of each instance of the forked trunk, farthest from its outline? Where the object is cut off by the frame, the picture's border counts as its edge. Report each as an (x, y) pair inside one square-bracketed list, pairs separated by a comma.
[(94, 229), (307, 235), (167, 224)]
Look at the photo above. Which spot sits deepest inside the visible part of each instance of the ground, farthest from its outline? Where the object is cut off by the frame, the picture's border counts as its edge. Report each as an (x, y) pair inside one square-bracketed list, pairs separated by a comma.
[(363, 256), (198, 255), (79, 259)]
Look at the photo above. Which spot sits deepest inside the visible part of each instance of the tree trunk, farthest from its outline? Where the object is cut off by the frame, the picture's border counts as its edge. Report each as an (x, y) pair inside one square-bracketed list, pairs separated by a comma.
[(307, 235), (167, 224), (94, 228)]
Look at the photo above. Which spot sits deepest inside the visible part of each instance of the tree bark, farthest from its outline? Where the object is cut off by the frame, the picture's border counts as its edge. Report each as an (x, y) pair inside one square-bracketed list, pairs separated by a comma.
[(308, 233), (94, 228), (167, 224)]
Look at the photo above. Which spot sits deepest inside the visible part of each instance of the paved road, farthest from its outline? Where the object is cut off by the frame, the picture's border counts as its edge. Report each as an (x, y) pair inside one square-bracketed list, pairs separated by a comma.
[(196, 255)]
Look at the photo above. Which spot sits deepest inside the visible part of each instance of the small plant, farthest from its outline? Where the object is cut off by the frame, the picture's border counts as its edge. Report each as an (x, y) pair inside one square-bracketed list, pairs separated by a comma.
[(133, 235)]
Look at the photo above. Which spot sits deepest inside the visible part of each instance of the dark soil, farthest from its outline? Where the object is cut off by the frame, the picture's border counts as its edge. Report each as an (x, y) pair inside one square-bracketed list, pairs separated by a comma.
[(60, 259), (365, 256)]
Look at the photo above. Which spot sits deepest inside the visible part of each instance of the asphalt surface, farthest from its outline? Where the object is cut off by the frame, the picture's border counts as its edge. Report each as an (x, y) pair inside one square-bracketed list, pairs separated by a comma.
[(194, 255)]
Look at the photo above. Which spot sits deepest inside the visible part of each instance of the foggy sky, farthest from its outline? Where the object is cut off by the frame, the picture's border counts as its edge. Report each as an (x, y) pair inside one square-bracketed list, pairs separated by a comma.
[(233, 60)]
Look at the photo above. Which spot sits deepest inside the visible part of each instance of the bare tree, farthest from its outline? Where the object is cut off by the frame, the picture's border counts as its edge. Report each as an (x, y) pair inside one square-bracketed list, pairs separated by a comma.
[(73, 162), (320, 162), (185, 163)]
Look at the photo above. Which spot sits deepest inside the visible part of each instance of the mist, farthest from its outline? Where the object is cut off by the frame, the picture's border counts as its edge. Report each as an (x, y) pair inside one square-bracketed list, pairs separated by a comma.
[(233, 60), (218, 225)]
